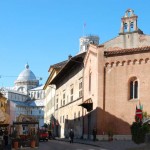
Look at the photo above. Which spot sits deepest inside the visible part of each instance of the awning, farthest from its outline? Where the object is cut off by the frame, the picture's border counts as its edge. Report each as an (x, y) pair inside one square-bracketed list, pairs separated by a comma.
[(87, 104)]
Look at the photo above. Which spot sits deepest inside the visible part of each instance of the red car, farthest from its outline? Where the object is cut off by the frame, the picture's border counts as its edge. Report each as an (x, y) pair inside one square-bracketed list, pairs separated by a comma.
[(43, 135)]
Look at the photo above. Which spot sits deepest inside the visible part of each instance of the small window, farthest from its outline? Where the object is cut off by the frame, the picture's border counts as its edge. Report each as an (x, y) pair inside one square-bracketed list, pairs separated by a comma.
[(63, 119), (136, 89), (133, 88), (38, 95), (125, 27), (131, 26), (57, 102), (56, 106), (80, 88), (60, 119), (39, 111), (79, 115), (90, 74), (71, 94), (61, 102), (64, 99)]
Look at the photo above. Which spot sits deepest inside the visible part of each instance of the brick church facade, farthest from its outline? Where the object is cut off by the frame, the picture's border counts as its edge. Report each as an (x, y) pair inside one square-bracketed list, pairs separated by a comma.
[(116, 80)]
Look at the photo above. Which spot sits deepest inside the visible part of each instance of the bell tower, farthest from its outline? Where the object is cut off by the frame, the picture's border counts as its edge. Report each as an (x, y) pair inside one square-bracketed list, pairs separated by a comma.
[(129, 22)]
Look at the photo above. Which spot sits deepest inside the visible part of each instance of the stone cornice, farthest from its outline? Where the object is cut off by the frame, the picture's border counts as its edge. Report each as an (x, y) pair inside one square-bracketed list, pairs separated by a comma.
[(129, 51)]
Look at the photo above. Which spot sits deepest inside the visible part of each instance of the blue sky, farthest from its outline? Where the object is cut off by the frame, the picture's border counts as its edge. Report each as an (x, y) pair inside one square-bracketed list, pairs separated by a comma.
[(45, 32)]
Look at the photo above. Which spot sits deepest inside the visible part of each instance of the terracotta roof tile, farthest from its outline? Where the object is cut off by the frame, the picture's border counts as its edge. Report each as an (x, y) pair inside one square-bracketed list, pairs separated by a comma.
[(60, 64), (127, 51), (74, 61)]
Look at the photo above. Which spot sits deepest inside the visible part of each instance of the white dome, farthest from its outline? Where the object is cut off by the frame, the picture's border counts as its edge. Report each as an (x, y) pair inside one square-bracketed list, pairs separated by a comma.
[(26, 75)]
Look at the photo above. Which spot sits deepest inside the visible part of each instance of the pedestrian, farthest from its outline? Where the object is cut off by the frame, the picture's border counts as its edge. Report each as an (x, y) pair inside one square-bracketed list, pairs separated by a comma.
[(9, 142), (71, 135), (5, 137), (94, 134), (1, 139), (49, 134), (1, 134)]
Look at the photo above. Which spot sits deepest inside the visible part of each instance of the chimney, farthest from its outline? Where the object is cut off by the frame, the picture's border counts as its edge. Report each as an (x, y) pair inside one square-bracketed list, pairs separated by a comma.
[(69, 57)]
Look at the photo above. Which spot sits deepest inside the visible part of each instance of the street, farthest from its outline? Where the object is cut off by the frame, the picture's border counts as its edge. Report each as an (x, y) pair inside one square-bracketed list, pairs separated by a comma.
[(61, 145)]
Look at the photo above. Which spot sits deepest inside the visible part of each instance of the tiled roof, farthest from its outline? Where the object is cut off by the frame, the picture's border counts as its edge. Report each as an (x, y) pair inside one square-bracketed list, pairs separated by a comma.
[(127, 51), (74, 61), (36, 103), (60, 64), (57, 67), (37, 88), (30, 103), (20, 103)]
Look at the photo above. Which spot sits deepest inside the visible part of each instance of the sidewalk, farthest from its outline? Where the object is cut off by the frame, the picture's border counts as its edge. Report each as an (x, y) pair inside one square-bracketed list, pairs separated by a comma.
[(26, 148), (111, 145)]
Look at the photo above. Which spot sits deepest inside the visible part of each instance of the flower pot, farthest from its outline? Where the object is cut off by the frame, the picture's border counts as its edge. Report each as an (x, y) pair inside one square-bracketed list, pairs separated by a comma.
[(33, 143), (16, 145)]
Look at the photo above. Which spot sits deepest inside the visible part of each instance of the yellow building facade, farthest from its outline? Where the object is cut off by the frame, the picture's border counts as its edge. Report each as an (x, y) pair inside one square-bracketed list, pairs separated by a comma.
[(4, 117)]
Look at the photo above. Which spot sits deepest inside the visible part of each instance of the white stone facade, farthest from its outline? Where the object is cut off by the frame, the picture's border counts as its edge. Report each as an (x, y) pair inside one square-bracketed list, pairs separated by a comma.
[(68, 112), (26, 97), (49, 103)]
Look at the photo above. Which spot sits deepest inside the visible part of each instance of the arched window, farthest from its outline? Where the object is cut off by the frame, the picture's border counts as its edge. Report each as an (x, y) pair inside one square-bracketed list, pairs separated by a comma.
[(133, 88), (125, 27), (131, 26), (38, 95), (31, 94), (39, 111), (129, 13)]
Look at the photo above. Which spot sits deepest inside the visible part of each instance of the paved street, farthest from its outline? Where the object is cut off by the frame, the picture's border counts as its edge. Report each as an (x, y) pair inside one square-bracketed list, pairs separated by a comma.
[(111, 145), (61, 145)]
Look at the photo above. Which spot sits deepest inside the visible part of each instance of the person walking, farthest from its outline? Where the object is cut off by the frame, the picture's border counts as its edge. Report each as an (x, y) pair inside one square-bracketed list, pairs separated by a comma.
[(71, 135), (5, 137), (9, 142), (94, 134), (1, 139)]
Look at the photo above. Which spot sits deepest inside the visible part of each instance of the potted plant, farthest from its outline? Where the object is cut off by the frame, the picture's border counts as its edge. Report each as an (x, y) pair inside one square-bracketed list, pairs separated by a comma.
[(15, 139), (33, 141), (33, 138)]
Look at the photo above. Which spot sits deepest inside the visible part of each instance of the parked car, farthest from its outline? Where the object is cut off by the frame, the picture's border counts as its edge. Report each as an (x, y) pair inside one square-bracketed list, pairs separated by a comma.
[(43, 135)]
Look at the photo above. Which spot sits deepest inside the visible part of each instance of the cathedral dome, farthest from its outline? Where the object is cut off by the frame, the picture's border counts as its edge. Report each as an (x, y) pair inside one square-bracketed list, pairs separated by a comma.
[(26, 80), (26, 75)]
